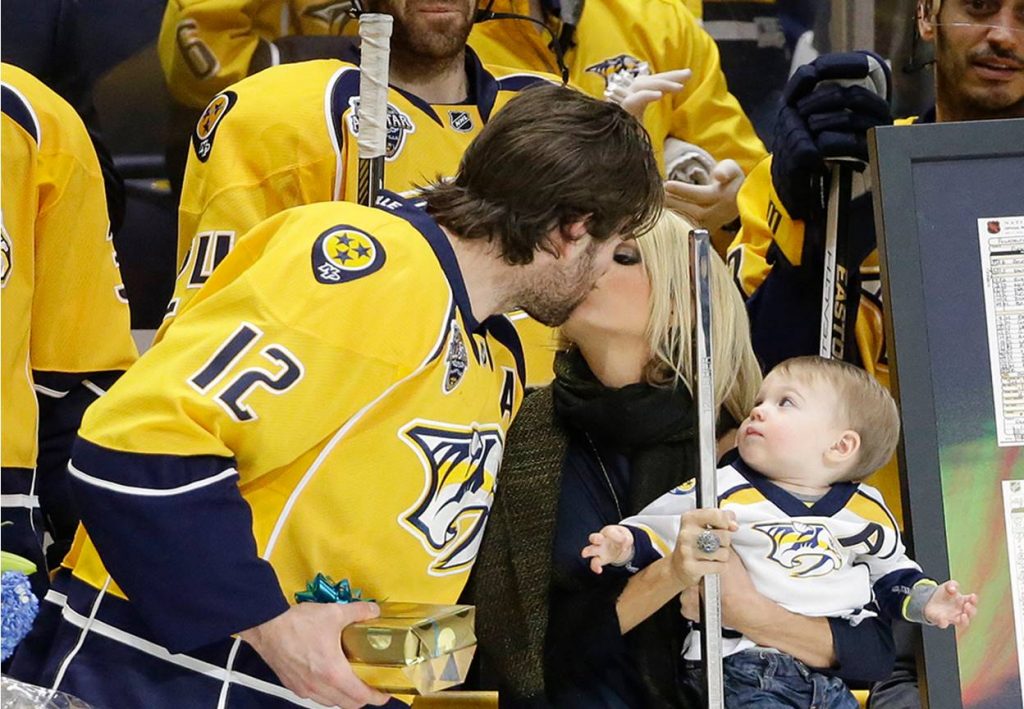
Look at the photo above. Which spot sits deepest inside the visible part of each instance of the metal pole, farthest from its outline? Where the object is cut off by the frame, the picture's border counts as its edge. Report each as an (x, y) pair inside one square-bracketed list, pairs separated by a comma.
[(707, 490)]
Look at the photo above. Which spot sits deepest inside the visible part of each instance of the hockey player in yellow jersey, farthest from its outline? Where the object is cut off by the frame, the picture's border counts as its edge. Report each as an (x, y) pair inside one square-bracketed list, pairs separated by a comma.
[(334, 399), (285, 136), (66, 333)]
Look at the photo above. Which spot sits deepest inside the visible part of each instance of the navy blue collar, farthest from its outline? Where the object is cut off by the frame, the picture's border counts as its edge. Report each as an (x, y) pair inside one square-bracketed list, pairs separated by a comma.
[(410, 211), (832, 502), (483, 87)]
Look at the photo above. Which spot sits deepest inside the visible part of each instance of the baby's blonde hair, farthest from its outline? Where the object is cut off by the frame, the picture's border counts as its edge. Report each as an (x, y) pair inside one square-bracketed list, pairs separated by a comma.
[(865, 406)]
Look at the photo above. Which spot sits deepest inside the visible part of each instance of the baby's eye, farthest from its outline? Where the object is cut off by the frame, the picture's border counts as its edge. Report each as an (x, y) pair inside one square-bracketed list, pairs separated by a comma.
[(785, 401)]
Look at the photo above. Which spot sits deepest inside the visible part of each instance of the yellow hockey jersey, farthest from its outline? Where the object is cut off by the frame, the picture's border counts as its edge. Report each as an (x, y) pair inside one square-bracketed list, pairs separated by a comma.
[(618, 36), (328, 403), (251, 159), (64, 308), (770, 240), (207, 45)]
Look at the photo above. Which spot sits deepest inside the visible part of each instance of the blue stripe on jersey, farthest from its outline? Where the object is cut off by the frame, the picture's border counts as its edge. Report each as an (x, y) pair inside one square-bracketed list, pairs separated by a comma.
[(644, 551), (18, 110), (831, 502), (518, 82), (502, 329), (189, 562), (345, 87), (425, 224)]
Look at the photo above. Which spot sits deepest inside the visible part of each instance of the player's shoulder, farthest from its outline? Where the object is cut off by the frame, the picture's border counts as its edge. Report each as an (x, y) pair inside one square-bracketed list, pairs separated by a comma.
[(49, 121), (516, 79), (279, 88), (867, 502)]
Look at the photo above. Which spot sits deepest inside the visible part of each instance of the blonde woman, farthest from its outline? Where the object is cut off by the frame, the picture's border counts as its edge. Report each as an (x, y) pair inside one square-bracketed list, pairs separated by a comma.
[(609, 435)]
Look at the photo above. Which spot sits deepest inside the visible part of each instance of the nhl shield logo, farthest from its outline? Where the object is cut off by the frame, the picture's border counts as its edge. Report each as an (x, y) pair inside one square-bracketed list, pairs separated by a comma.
[(460, 121), (399, 126), (806, 549), (461, 465), (344, 253), (206, 128), (621, 64), (456, 361)]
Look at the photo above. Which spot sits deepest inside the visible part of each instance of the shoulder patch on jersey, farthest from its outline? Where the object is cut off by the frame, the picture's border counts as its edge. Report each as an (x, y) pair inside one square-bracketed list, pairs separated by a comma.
[(6, 257), (399, 127), (806, 549), (206, 128), (457, 360), (460, 121), (345, 253), (620, 64), (686, 488)]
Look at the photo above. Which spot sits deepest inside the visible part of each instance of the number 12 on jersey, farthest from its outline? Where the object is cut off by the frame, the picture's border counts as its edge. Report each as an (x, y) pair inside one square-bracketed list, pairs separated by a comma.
[(231, 395)]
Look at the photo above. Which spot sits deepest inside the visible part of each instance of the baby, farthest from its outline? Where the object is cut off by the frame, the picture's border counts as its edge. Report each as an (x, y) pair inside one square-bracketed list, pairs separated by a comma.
[(812, 537)]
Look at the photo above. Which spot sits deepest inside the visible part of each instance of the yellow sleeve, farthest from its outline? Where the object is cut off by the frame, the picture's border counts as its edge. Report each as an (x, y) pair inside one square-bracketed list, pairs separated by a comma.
[(765, 221), (704, 112), (206, 45), (268, 359)]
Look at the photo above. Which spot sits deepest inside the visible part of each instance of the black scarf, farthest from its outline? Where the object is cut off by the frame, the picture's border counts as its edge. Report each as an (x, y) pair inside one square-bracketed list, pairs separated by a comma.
[(653, 426)]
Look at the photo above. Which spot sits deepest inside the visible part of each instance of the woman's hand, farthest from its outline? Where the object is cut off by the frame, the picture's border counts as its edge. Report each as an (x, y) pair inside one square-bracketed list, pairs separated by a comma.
[(689, 563), (738, 594)]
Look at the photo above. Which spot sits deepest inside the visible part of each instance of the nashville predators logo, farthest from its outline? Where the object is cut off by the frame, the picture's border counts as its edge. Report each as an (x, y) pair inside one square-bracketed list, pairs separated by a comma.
[(344, 253), (206, 128), (804, 549), (457, 360), (399, 126), (332, 13), (6, 260), (461, 465), (622, 64)]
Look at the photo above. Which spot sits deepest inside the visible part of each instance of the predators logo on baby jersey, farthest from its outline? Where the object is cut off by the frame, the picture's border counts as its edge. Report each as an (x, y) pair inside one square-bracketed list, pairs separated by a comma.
[(399, 125), (461, 465), (806, 549), (206, 128), (621, 64), (344, 253)]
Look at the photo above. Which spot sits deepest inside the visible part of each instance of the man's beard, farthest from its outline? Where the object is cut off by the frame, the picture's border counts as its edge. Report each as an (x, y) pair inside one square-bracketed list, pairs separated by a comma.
[(551, 299), (416, 36)]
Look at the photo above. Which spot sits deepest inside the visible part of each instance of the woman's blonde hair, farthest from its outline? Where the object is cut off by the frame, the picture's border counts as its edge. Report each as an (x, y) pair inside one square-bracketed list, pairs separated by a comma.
[(666, 256)]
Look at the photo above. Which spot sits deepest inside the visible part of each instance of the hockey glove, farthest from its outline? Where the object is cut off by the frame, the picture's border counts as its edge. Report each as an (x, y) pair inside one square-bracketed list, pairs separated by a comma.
[(826, 113)]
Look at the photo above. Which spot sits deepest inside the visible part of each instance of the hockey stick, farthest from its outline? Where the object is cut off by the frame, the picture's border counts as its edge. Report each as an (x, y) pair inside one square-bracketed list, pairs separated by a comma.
[(707, 489), (837, 317), (375, 50)]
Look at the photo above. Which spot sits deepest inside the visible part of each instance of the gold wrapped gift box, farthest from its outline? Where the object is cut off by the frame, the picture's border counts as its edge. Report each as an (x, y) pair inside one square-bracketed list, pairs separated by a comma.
[(412, 648)]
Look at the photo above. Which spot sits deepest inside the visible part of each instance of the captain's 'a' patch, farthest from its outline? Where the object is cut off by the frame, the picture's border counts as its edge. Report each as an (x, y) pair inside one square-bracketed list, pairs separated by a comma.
[(457, 359), (206, 128), (345, 253)]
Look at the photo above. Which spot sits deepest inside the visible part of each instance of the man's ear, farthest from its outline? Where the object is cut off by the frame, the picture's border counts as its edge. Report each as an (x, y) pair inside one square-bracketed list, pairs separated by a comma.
[(566, 238), (926, 20), (846, 447), (576, 229)]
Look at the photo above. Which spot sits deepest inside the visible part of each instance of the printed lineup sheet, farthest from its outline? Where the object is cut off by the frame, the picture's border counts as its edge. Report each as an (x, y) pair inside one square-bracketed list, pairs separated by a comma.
[(1013, 507), (1001, 240)]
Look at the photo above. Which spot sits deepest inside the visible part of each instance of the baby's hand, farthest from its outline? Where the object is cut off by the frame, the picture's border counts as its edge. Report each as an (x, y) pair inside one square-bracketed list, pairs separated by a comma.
[(948, 606), (612, 545)]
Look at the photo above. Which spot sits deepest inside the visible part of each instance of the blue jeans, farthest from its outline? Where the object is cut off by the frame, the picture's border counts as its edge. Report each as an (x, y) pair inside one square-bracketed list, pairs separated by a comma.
[(760, 678)]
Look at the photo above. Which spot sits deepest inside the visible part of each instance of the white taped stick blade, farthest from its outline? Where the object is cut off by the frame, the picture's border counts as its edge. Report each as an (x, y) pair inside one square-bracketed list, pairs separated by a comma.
[(375, 51)]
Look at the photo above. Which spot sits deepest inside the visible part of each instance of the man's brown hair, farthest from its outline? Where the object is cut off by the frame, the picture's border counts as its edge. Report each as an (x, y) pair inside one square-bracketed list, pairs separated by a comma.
[(865, 406), (552, 156)]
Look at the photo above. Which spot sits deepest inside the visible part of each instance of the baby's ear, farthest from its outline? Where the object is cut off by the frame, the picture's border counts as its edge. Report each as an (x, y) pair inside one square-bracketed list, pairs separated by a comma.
[(846, 447)]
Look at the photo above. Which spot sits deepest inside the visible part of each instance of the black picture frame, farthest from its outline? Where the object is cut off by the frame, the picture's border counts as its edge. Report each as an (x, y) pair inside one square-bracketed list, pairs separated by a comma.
[(931, 184)]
